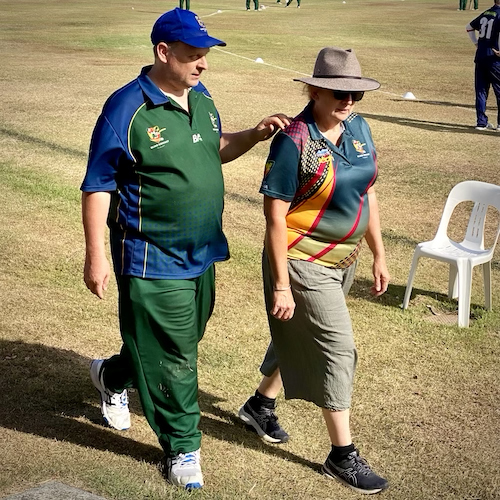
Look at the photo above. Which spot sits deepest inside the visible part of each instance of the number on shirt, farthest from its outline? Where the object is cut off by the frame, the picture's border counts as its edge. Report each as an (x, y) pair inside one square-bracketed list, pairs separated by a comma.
[(486, 27)]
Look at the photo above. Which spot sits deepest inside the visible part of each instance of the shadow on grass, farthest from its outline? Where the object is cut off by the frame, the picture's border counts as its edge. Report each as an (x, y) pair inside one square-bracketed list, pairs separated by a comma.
[(446, 104), (235, 431), (428, 125), (393, 297), (54, 147), (44, 393)]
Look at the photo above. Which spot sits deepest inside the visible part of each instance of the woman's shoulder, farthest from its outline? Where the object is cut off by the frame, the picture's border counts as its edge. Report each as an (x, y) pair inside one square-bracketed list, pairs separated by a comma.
[(355, 120), (357, 123), (297, 130)]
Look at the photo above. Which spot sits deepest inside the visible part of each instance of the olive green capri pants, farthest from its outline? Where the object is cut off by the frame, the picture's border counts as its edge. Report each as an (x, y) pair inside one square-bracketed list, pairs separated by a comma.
[(315, 350), (161, 323)]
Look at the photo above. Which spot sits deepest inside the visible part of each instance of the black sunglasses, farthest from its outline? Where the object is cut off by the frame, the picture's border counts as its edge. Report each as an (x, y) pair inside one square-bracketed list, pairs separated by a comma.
[(341, 95)]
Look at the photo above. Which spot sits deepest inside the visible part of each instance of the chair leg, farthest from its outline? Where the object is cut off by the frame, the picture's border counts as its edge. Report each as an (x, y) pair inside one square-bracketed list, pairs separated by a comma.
[(453, 282), (411, 276), (487, 284), (464, 291)]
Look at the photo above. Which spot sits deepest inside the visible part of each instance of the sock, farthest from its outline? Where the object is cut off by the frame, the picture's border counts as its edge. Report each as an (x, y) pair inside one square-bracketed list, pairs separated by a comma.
[(264, 401), (338, 453)]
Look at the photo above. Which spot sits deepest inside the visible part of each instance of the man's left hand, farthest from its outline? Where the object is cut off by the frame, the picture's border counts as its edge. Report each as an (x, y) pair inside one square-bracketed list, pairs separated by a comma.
[(271, 124)]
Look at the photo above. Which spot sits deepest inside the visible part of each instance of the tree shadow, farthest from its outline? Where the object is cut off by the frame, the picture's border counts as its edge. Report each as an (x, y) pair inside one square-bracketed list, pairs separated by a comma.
[(45, 392)]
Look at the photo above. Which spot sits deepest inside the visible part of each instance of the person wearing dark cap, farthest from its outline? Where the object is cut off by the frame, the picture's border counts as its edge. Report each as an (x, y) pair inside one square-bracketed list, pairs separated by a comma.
[(154, 174), (319, 204)]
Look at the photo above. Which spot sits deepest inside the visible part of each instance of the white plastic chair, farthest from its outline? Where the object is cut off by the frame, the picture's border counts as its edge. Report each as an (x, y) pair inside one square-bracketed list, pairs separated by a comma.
[(462, 256)]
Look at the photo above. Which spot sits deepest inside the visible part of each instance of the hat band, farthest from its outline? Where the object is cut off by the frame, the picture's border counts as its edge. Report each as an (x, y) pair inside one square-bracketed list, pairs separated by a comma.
[(338, 76)]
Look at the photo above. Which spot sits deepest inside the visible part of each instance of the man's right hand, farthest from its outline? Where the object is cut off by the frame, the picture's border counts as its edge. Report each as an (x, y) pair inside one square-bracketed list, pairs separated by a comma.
[(96, 273)]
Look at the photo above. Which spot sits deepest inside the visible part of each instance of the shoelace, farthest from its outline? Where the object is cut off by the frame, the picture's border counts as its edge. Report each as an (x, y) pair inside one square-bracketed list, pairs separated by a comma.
[(359, 464), (184, 459), (115, 399), (267, 414)]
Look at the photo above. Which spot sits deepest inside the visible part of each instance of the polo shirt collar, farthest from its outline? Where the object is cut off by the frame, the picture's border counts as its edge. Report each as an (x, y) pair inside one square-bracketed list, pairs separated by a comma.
[(154, 94)]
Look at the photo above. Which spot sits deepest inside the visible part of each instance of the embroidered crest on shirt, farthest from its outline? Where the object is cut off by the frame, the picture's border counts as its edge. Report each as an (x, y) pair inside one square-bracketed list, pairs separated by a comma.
[(358, 146), (324, 159), (154, 134), (268, 167), (215, 124)]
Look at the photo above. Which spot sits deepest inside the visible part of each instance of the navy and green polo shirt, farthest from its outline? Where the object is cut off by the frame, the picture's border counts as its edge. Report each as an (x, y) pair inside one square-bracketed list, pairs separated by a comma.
[(488, 26), (163, 168), (326, 185)]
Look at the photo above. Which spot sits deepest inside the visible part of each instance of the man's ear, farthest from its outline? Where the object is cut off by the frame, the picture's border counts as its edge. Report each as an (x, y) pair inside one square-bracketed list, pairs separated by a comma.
[(161, 51)]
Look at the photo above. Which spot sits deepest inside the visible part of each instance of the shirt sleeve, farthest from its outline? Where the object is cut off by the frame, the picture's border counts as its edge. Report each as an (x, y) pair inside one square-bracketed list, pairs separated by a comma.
[(105, 152), (281, 174), (472, 33), (367, 134), (475, 23)]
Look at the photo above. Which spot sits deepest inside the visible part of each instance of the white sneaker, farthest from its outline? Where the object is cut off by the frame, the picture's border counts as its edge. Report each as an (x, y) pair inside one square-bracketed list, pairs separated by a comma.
[(487, 127), (114, 405), (184, 470)]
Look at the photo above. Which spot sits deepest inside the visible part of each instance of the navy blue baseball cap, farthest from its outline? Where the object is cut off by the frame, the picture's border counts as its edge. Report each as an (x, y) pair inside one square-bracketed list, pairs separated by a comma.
[(179, 25)]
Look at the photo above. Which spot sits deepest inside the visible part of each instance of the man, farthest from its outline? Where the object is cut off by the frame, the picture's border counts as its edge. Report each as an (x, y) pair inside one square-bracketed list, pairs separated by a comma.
[(487, 61), (462, 4), (154, 173), (255, 3)]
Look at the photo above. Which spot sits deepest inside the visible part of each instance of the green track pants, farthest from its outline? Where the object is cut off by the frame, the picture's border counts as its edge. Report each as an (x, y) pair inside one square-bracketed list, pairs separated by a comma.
[(161, 323), (462, 4)]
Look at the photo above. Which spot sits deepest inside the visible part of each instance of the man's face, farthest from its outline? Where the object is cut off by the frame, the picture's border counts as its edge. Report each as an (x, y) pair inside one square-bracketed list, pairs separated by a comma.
[(185, 65)]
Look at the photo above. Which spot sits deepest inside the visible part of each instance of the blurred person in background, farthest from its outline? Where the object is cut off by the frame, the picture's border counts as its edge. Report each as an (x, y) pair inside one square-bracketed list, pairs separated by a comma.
[(487, 62)]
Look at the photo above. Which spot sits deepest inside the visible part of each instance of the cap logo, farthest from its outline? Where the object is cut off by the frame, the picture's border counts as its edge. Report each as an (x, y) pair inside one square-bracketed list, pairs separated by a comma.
[(201, 23)]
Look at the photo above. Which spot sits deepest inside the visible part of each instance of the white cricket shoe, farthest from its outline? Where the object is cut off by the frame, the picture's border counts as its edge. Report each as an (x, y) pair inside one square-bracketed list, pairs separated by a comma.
[(114, 405), (184, 470), (489, 126)]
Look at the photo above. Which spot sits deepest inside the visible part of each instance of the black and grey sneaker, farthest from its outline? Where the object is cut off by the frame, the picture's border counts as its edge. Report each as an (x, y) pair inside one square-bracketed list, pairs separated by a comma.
[(264, 421), (354, 471)]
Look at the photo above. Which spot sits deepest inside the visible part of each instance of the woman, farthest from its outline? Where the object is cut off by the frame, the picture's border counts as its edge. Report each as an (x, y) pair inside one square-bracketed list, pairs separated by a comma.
[(319, 202)]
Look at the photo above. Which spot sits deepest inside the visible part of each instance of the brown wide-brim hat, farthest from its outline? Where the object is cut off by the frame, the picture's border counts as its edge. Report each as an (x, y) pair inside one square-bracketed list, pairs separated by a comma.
[(339, 69)]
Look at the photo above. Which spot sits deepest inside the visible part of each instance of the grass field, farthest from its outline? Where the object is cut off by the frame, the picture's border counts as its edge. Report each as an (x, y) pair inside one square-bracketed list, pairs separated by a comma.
[(426, 409)]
